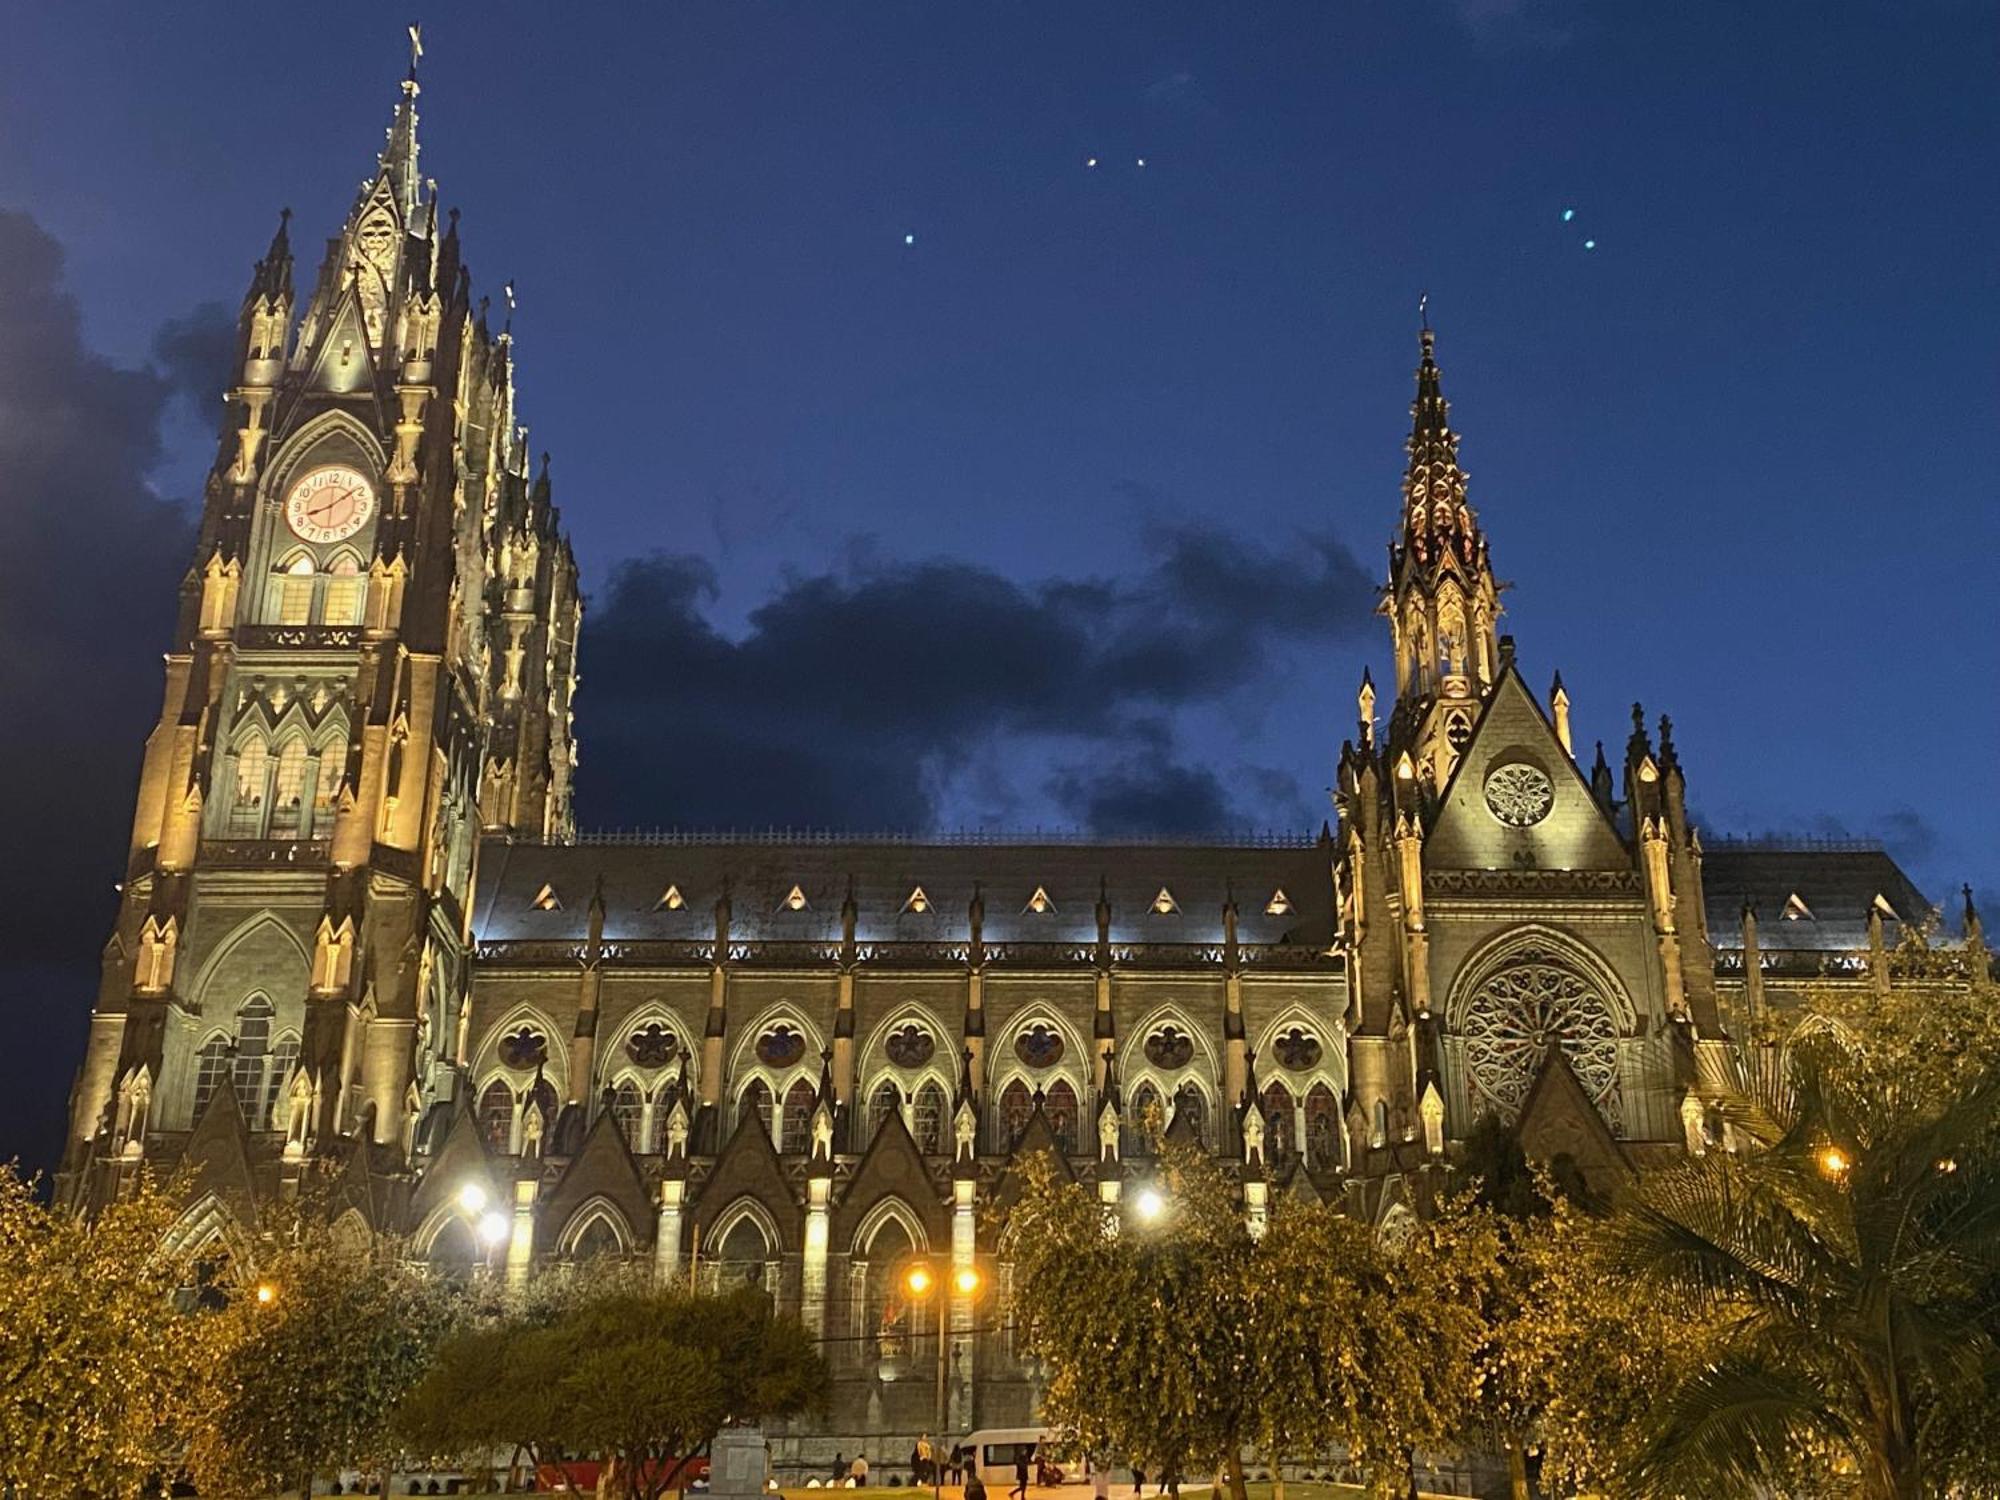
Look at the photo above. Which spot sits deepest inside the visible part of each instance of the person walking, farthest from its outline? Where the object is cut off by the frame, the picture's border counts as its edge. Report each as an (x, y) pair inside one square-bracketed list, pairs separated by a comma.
[(954, 1469), (1021, 1471), (1138, 1482), (1100, 1481), (927, 1457), (975, 1487), (857, 1472)]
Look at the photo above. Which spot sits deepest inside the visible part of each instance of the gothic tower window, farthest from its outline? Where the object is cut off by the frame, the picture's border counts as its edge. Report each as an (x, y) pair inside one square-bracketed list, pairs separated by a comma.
[(1281, 1122), (344, 586), (253, 774), (1144, 1120), (212, 1065), (1190, 1106), (292, 591), (284, 1058), (332, 765), (742, 1255), (288, 788)]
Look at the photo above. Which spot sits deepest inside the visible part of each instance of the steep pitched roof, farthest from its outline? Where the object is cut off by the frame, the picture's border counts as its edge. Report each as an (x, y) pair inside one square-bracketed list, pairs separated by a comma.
[(603, 1167), (749, 1167), (1559, 1119), (1837, 885), (218, 1154), (892, 1167)]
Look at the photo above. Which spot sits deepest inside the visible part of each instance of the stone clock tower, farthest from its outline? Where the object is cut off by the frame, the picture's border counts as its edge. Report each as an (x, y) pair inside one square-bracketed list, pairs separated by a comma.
[(372, 669)]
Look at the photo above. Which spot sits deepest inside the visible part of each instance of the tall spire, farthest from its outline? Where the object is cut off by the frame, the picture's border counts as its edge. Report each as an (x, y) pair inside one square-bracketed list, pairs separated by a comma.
[(1436, 517), (399, 160)]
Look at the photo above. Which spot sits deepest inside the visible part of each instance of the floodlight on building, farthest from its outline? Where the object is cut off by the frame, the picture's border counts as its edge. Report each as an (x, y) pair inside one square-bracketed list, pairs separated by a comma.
[(493, 1229), (918, 1280), (472, 1198), (967, 1281)]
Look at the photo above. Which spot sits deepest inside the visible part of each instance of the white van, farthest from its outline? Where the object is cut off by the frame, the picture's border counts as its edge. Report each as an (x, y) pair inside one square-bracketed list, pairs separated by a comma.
[(995, 1450)]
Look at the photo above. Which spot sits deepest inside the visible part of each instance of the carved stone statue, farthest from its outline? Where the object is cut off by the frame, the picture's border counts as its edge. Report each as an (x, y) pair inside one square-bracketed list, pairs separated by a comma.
[(965, 1129), (1253, 1135), (1107, 1134)]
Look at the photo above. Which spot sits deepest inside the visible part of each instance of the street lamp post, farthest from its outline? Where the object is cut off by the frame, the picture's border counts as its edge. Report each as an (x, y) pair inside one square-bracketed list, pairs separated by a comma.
[(922, 1284)]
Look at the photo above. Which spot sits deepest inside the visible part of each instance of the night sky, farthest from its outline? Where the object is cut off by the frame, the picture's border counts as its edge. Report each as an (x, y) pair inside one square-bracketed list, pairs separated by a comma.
[(924, 474)]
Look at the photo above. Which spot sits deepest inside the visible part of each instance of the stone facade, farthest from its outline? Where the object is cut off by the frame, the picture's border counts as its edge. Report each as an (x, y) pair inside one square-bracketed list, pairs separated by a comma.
[(361, 945)]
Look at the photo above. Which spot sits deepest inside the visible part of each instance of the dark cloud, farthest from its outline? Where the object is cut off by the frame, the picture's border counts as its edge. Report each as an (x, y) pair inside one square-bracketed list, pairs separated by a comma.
[(859, 694), (196, 354), (90, 560)]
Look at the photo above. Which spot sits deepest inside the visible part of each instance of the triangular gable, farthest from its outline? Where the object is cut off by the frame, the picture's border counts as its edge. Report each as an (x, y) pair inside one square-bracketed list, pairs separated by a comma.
[(892, 1167), (918, 901), (1881, 904), (795, 899), (341, 361), (547, 898), (1796, 909), (1164, 904), (218, 1156), (1559, 1119), (1301, 1188), (1280, 905), (1576, 833), (603, 1167), (749, 1167), (671, 899), (357, 1185)]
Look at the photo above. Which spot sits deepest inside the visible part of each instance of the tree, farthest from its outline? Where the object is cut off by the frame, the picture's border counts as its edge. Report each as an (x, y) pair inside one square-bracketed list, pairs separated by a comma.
[(1848, 1265), (646, 1377), (96, 1359), (1145, 1334), (323, 1337)]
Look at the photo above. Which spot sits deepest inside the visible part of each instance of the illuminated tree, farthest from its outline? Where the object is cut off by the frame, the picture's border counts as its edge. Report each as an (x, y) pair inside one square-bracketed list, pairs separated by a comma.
[(96, 1360)]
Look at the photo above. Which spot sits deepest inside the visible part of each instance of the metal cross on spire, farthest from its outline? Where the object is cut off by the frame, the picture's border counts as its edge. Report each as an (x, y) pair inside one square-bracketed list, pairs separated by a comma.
[(416, 31), (1423, 308)]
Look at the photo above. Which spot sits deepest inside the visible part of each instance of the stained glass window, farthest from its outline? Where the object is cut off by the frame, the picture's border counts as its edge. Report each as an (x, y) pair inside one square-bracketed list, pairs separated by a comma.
[(930, 1112), (1059, 1104), (798, 1118)]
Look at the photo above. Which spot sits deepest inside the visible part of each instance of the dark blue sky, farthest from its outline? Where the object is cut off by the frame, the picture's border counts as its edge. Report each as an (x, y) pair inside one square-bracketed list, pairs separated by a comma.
[(1061, 513)]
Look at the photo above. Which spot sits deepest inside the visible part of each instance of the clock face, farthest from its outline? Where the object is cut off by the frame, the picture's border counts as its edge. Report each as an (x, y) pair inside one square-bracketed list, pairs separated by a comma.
[(329, 504)]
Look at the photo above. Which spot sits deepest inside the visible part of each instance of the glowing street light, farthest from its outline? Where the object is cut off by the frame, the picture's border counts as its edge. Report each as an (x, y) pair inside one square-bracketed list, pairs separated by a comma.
[(266, 1294), (1149, 1205), (472, 1198), (967, 1282), (1833, 1161), (492, 1229), (918, 1281)]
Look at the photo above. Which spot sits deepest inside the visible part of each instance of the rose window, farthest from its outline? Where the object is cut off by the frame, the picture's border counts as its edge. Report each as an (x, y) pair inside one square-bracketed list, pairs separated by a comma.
[(1514, 1016), (1519, 794), (524, 1049), (780, 1047), (910, 1046), (652, 1046), (1169, 1047), (1297, 1049), (1040, 1046)]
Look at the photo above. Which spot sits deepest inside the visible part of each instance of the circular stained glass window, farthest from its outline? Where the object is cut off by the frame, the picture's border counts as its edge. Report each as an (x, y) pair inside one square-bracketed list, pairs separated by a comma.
[(910, 1046), (524, 1049), (1169, 1047), (1039, 1046), (1516, 1015), (652, 1046), (1518, 794), (781, 1046), (1297, 1049)]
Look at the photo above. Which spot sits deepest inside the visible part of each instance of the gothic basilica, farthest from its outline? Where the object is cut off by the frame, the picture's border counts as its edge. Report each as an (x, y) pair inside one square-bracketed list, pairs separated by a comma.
[(364, 952)]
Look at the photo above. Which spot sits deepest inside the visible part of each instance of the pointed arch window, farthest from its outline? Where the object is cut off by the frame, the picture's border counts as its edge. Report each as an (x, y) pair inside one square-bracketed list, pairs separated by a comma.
[(1322, 1128), (288, 788), (345, 588), (742, 1256), (797, 1135), (284, 1059), (212, 1066), (496, 1115), (1280, 1123), (1144, 1118), (598, 1239), (1017, 1107), (332, 766), (253, 776), (292, 591), (930, 1112), (884, 1102), (1059, 1104), (253, 1056), (1191, 1107), (755, 1099), (628, 1111)]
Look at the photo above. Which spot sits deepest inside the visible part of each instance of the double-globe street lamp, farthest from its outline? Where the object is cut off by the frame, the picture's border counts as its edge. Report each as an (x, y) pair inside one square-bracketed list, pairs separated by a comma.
[(922, 1283)]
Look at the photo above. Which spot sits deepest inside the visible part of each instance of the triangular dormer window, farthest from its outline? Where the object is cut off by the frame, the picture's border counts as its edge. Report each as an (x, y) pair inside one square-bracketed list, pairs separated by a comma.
[(1039, 903), (1881, 904), (671, 899), (795, 899), (546, 899), (1280, 905), (918, 901), (1164, 904), (1796, 909)]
